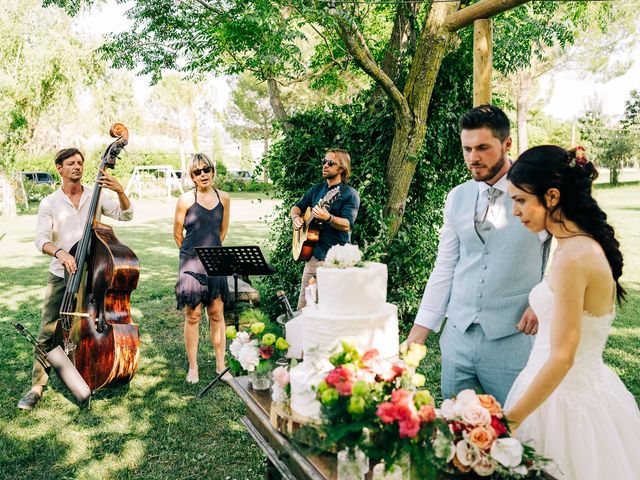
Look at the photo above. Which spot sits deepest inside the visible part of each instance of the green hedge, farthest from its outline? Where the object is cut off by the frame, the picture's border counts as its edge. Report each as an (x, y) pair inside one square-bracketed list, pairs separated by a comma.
[(294, 165)]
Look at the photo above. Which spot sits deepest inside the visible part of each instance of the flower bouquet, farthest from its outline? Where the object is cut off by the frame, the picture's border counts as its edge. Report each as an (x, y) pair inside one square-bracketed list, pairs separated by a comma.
[(377, 406), (254, 353), (481, 443)]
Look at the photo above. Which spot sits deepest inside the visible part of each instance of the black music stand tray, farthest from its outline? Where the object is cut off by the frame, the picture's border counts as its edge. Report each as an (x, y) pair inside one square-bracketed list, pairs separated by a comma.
[(234, 261)]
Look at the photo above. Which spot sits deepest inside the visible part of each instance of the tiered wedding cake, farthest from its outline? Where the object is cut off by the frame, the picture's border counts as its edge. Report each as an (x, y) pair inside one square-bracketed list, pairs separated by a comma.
[(351, 307)]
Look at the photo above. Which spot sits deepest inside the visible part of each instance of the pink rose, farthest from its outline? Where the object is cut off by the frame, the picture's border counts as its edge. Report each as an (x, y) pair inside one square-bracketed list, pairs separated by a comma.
[(281, 376), (474, 414)]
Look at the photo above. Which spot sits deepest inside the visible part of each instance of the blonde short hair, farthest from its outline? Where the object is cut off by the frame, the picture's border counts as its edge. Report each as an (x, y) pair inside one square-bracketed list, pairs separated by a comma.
[(199, 158), (344, 160)]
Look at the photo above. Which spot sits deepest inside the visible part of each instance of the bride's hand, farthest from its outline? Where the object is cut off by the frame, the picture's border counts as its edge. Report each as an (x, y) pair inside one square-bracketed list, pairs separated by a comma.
[(513, 424), (528, 323)]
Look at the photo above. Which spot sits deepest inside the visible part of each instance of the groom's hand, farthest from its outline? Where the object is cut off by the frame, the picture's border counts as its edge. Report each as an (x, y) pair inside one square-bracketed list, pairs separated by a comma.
[(418, 334), (528, 323)]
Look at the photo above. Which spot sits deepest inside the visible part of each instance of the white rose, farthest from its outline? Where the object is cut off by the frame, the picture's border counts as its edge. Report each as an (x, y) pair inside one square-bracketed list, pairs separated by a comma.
[(484, 467), (446, 409), (466, 454), (474, 414), (343, 256), (507, 451), (249, 356)]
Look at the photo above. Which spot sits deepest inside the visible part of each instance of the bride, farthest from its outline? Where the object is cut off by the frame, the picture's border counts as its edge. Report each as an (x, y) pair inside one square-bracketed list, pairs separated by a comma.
[(566, 401)]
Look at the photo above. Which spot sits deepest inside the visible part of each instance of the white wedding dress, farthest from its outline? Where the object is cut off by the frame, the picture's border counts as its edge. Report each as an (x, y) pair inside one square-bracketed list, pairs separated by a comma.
[(590, 425)]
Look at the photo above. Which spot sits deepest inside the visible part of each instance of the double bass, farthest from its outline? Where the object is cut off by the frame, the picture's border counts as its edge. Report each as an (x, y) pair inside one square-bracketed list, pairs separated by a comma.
[(99, 336)]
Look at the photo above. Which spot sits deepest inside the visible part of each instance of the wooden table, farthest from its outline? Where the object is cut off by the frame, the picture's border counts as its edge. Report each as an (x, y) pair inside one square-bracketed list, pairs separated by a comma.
[(284, 459)]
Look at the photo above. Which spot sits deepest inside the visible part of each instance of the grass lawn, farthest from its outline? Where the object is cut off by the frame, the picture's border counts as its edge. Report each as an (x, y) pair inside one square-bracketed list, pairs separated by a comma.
[(154, 428)]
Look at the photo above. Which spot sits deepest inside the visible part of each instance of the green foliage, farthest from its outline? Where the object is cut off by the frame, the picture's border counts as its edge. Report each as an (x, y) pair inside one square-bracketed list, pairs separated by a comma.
[(37, 191), (294, 165), (608, 146)]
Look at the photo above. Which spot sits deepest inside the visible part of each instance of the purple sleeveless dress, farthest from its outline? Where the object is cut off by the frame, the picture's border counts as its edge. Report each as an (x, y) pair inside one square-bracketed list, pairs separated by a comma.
[(202, 227)]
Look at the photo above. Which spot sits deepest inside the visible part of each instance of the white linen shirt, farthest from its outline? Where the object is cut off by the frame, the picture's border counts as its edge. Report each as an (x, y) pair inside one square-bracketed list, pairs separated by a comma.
[(435, 299), (62, 224)]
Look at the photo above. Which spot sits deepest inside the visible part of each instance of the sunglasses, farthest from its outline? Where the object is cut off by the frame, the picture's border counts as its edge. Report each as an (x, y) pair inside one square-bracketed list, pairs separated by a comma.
[(326, 161), (198, 171)]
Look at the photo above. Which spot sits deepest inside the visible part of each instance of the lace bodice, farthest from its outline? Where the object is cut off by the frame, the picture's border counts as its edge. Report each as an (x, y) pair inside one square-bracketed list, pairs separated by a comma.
[(593, 336)]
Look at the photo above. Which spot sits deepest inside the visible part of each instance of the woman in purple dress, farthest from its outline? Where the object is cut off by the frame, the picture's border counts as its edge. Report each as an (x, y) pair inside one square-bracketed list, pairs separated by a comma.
[(201, 220)]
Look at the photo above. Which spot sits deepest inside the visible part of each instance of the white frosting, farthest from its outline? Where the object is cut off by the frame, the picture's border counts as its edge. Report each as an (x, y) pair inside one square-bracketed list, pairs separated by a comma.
[(354, 290), (323, 332)]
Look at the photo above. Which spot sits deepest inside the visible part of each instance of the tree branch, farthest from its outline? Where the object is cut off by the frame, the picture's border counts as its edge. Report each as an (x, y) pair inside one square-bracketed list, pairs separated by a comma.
[(357, 48), (316, 74)]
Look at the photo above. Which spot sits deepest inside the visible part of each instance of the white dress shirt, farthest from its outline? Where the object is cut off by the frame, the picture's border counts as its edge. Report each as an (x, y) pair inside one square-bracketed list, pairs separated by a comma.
[(62, 224), (435, 299)]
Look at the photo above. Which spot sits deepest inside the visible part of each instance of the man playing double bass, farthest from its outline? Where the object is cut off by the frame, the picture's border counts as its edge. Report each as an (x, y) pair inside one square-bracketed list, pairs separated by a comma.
[(337, 220), (62, 217)]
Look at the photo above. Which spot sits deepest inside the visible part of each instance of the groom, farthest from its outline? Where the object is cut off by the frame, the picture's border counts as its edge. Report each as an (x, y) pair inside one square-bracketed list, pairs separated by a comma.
[(486, 265)]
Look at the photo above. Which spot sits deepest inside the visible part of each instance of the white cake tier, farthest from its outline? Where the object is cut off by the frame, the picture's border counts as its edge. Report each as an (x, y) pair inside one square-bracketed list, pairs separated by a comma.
[(323, 332), (303, 379), (353, 290)]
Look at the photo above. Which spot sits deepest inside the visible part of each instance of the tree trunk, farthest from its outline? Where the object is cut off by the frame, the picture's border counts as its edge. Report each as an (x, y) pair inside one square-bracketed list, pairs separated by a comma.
[(275, 100), (410, 130)]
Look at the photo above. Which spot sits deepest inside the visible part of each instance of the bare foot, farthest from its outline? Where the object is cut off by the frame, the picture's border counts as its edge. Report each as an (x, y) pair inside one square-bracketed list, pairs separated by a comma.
[(192, 376)]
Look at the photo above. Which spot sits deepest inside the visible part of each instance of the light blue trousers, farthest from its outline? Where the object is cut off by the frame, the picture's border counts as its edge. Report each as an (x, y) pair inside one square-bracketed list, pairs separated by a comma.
[(471, 360)]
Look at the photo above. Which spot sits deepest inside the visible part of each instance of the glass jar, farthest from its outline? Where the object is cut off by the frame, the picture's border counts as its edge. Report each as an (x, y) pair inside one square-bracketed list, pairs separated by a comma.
[(352, 465), (260, 381)]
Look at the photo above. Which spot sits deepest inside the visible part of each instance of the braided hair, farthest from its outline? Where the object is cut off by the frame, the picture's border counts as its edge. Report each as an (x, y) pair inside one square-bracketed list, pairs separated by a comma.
[(548, 166)]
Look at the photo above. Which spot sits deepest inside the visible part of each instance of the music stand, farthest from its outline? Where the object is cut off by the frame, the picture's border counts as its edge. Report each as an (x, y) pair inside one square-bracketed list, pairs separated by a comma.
[(234, 261)]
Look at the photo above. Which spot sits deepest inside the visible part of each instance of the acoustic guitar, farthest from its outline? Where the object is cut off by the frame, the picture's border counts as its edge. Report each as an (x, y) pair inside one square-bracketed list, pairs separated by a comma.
[(306, 238)]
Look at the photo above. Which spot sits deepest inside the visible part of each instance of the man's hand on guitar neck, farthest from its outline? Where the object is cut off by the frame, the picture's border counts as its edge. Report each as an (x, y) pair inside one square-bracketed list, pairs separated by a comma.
[(321, 213)]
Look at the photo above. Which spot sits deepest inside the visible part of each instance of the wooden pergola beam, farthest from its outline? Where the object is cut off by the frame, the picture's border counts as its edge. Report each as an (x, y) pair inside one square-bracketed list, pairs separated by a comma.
[(482, 61), (482, 9)]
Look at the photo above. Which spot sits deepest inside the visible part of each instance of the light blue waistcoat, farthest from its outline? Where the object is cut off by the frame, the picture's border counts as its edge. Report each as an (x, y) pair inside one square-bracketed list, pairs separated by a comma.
[(491, 280)]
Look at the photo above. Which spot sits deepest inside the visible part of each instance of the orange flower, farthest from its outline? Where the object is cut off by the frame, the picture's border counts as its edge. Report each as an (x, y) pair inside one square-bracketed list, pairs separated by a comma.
[(490, 403), (482, 437)]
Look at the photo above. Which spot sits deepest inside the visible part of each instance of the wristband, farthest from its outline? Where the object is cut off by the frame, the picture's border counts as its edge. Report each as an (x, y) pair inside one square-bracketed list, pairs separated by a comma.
[(330, 219), (56, 252)]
